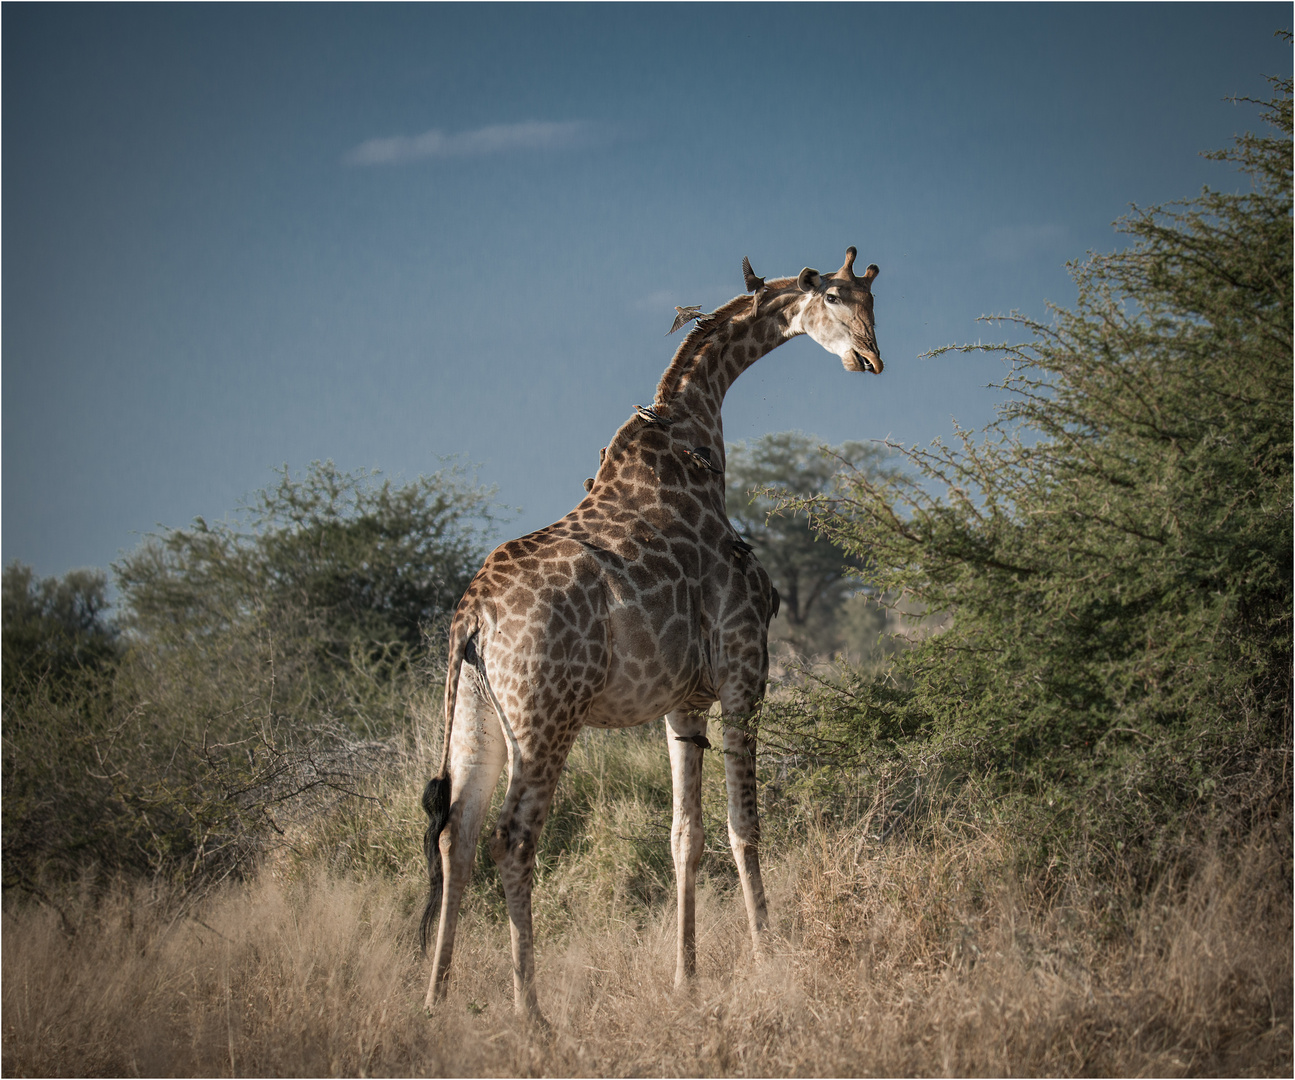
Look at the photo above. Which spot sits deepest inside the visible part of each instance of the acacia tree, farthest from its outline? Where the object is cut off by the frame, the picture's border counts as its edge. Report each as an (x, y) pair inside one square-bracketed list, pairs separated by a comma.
[(322, 578), (812, 576), (54, 626), (1116, 550)]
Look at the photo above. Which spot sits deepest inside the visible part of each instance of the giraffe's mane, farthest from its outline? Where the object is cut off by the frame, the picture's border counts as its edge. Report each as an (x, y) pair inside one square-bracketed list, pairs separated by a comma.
[(691, 346), (773, 297)]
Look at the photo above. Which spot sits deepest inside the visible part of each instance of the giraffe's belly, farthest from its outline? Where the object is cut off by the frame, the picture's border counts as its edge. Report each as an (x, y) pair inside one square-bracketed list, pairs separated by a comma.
[(652, 670), (623, 711)]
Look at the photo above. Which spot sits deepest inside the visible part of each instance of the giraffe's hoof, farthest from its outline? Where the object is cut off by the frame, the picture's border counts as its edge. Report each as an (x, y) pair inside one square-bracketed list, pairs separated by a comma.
[(538, 1024)]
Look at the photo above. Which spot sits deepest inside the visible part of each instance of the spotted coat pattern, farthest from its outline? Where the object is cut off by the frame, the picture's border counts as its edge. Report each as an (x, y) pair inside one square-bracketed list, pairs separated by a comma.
[(641, 602)]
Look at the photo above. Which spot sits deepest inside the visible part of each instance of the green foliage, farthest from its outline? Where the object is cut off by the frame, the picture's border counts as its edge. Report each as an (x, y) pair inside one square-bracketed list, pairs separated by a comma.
[(60, 664), (350, 556), (54, 627), (59, 656), (265, 673), (1116, 550), (316, 600), (822, 608)]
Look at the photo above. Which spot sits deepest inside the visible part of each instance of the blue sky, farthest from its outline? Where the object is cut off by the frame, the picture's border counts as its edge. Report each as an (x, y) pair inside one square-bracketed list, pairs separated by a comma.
[(236, 237)]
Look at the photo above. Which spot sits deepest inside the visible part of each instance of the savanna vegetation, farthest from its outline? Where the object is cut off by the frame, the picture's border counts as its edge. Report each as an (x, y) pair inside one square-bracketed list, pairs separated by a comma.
[(258, 666), (1042, 824)]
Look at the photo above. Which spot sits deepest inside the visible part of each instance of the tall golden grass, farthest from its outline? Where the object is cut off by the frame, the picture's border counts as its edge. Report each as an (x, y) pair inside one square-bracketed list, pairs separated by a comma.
[(887, 958)]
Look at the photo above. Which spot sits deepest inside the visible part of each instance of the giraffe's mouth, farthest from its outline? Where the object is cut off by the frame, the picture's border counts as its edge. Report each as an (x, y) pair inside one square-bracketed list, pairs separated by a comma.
[(864, 361)]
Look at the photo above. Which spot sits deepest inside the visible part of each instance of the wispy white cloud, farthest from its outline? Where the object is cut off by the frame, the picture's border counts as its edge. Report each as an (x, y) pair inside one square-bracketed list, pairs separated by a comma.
[(492, 139)]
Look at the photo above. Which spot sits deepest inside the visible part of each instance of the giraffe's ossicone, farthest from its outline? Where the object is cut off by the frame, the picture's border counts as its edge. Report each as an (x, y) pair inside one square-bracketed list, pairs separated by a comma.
[(641, 602)]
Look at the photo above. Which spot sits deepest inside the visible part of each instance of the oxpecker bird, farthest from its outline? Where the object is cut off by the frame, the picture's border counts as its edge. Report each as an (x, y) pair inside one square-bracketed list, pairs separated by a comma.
[(652, 416), (696, 740), (753, 284), (684, 317)]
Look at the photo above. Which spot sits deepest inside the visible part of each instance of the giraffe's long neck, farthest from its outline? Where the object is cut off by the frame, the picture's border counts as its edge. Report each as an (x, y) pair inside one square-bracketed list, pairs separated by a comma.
[(691, 392)]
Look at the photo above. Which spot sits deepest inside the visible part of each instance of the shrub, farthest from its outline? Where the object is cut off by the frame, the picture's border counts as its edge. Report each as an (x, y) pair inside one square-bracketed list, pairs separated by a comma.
[(265, 671), (1115, 552)]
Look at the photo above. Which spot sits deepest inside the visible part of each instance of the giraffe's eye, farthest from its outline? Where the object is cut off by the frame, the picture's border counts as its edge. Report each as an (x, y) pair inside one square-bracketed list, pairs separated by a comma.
[(833, 299)]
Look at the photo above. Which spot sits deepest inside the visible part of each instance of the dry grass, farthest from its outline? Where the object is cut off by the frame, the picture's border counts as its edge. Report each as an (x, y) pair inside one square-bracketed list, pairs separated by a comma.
[(887, 959)]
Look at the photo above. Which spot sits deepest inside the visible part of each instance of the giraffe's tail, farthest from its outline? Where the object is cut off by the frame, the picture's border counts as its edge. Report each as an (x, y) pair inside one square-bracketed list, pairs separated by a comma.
[(436, 795), (436, 803)]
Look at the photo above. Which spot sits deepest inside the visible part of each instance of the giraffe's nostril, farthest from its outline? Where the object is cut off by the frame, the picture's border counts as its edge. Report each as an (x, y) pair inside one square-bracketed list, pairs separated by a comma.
[(867, 361)]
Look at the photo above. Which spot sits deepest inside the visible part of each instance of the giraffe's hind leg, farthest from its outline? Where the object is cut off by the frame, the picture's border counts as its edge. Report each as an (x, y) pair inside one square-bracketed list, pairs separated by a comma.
[(477, 755), (534, 765), (686, 836), (743, 809)]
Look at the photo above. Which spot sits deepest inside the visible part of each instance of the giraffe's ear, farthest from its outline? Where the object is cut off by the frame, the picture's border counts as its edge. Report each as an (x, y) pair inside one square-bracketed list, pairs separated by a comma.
[(809, 280)]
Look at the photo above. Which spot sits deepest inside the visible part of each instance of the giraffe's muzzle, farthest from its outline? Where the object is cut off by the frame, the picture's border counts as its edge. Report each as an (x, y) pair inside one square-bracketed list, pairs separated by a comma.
[(864, 361)]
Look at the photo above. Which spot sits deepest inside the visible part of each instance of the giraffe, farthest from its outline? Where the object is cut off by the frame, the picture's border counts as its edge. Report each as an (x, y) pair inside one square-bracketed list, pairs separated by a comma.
[(643, 601)]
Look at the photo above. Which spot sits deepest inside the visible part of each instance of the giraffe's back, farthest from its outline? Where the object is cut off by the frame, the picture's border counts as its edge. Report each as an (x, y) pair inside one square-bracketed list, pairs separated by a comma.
[(608, 614)]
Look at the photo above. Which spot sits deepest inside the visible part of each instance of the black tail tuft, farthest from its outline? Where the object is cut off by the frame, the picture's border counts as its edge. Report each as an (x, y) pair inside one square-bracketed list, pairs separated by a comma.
[(436, 802)]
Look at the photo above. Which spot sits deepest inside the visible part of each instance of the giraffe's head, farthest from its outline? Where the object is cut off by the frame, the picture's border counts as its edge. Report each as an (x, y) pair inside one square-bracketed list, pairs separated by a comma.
[(837, 313)]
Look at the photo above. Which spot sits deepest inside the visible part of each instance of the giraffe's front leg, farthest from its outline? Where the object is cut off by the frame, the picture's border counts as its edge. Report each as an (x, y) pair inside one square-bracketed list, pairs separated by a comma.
[(744, 816), (686, 836)]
